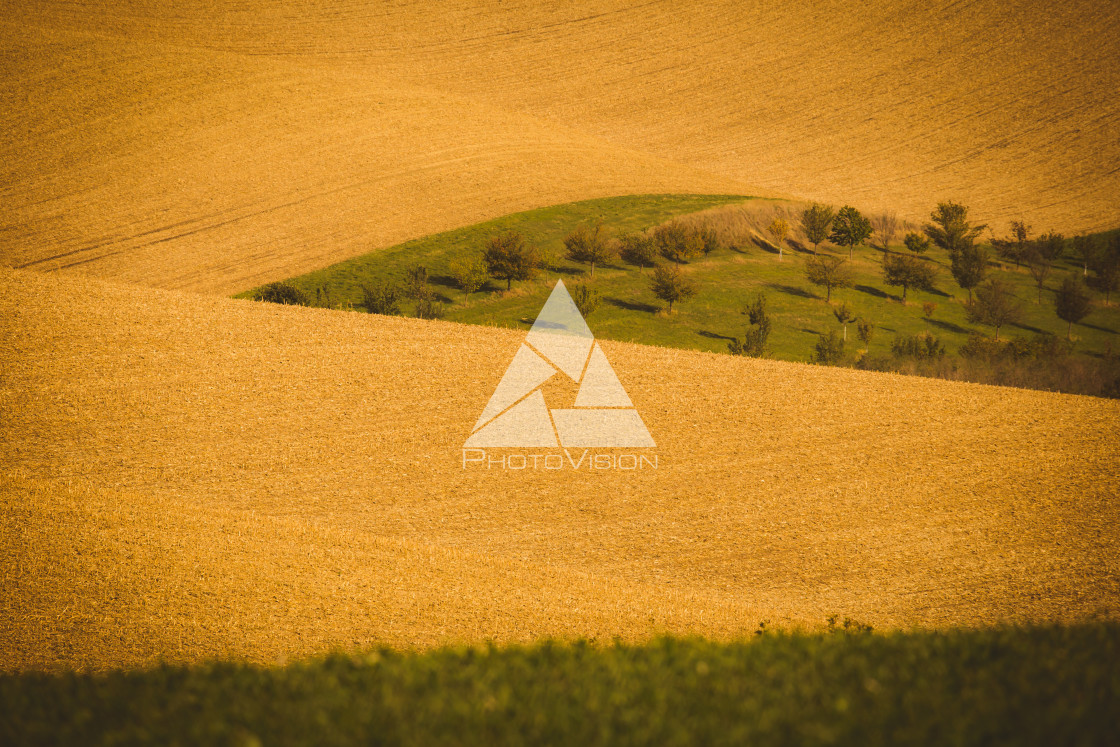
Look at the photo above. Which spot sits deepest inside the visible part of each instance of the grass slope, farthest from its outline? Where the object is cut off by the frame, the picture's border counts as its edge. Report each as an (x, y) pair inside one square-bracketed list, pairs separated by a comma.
[(1008, 686), (729, 279), (188, 477)]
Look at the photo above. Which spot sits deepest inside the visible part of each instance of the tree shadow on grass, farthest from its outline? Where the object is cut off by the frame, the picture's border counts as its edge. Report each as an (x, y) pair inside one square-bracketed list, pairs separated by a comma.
[(714, 335), (1098, 328), (948, 326), (936, 292), (875, 292), (792, 290), (622, 303)]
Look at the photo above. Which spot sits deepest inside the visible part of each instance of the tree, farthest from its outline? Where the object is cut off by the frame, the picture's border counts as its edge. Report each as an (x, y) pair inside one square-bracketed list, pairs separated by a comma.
[(637, 249), (778, 230), (709, 239), (850, 228), (1039, 268), (589, 245), (865, 330), (1072, 303), (381, 298), (509, 258), (678, 242), (427, 307), (828, 270), (586, 299), (816, 220), (1085, 248), (927, 311), (950, 228), (1050, 247), (907, 271), (886, 227), (844, 315), (671, 285), (1020, 233), (470, 274), (282, 293), (969, 265), (916, 243), (829, 348), (1105, 266), (416, 282), (995, 305), (754, 339)]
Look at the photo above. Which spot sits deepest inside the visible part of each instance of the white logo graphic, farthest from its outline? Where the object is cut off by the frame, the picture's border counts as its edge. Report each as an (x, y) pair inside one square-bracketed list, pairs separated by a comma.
[(559, 342)]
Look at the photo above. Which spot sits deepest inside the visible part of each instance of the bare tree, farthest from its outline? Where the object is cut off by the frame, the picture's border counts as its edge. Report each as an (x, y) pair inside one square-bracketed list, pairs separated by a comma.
[(886, 227)]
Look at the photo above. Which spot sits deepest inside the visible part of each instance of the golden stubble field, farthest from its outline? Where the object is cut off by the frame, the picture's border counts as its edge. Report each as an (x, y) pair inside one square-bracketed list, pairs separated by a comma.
[(186, 477), (214, 146)]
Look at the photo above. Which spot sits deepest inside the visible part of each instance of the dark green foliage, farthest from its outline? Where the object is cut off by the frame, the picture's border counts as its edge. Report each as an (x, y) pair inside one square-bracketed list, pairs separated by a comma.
[(1072, 303), (382, 298), (470, 274), (509, 258), (995, 305), (1039, 267), (590, 246), (919, 347), (916, 243), (671, 285), (427, 307), (586, 298), (754, 339), (1029, 686), (638, 249), (416, 282), (708, 238), (1105, 267), (1041, 347), (678, 242), (829, 271), (850, 228), (1051, 247), (1084, 249), (908, 271), (865, 330), (829, 349), (950, 228), (969, 265), (282, 293), (816, 221)]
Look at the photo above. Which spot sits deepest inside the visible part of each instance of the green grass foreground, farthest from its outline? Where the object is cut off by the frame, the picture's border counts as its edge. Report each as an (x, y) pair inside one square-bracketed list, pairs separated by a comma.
[(1042, 685)]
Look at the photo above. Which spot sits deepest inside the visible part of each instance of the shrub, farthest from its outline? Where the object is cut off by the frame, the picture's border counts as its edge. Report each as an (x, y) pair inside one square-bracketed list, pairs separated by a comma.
[(754, 339), (829, 349), (282, 293), (427, 307), (916, 243), (678, 242), (470, 274), (381, 298), (918, 347), (586, 299)]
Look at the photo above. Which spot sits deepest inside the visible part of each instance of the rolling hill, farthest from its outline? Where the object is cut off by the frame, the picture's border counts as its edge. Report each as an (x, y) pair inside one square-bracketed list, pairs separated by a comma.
[(186, 477), (216, 146)]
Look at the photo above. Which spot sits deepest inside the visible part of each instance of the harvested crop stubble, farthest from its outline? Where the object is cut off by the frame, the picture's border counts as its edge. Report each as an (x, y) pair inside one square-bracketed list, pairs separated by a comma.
[(188, 476)]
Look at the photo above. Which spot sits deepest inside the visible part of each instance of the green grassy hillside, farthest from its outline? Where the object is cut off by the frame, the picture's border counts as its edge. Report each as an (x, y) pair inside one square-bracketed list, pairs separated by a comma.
[(728, 279), (1023, 686)]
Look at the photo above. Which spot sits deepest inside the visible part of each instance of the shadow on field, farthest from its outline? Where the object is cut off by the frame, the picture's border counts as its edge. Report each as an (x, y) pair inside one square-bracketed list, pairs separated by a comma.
[(632, 305), (792, 290), (1098, 328), (874, 292), (948, 326), (714, 335), (1026, 327)]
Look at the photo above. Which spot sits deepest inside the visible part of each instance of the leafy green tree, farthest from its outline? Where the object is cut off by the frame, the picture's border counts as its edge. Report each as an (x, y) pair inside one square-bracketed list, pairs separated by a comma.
[(816, 220), (829, 349), (282, 293), (1051, 247), (754, 339), (586, 298), (850, 228), (470, 274), (1072, 303), (969, 265), (678, 242), (509, 258), (865, 330), (907, 271), (829, 271), (671, 285), (916, 243), (1105, 267), (1020, 234), (950, 228), (638, 249), (844, 315), (1039, 267), (779, 231), (382, 297), (995, 305), (589, 245)]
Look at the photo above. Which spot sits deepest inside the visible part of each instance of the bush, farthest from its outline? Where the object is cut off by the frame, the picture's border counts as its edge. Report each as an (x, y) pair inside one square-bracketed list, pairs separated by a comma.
[(754, 339), (919, 347), (282, 293), (829, 349), (585, 298), (381, 298)]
